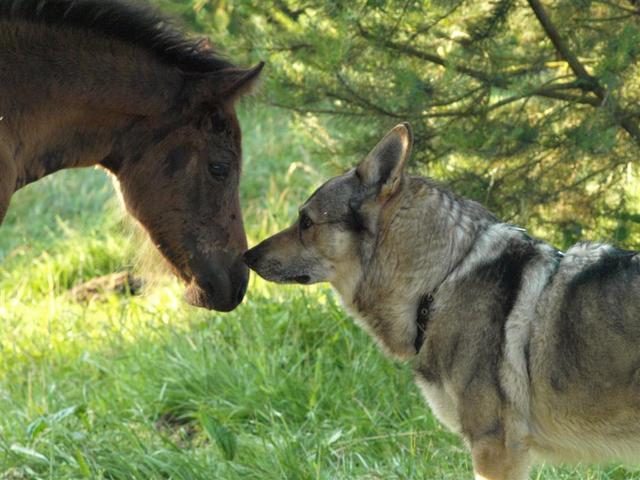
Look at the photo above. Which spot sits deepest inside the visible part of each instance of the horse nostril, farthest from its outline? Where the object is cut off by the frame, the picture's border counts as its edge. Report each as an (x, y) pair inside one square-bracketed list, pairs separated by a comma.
[(241, 291), (303, 279)]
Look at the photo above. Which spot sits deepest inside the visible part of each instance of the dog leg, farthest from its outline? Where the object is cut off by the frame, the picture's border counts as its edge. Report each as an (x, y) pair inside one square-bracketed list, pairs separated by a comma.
[(492, 460)]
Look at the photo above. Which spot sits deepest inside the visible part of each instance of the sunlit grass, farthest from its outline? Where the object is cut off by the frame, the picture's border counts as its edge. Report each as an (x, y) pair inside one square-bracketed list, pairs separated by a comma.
[(120, 387)]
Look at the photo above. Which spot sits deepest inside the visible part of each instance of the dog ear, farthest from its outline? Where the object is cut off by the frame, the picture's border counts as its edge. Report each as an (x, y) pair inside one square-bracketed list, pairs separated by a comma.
[(384, 165)]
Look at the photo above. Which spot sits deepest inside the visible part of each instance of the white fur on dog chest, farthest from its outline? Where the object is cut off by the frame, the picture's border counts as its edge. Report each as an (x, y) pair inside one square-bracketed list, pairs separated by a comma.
[(443, 403)]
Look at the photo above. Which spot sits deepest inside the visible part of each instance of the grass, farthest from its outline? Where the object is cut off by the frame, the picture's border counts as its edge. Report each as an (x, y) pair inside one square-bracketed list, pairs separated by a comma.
[(123, 387)]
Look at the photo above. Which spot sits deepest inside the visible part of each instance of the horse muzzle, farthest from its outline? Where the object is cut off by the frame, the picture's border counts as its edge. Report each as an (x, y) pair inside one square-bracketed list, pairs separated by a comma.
[(218, 283)]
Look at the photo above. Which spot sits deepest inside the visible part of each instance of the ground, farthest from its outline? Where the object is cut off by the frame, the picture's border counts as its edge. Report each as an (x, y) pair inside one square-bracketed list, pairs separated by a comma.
[(144, 387)]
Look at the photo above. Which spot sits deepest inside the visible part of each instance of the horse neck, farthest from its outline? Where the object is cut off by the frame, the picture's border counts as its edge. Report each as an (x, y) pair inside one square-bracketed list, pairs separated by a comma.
[(68, 96)]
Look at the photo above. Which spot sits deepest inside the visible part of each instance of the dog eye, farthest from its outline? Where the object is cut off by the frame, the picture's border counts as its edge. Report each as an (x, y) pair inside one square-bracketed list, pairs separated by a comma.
[(305, 221), (219, 170)]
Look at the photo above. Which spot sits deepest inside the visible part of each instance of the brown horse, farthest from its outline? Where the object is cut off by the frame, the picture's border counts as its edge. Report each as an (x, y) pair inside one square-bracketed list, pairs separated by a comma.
[(103, 82)]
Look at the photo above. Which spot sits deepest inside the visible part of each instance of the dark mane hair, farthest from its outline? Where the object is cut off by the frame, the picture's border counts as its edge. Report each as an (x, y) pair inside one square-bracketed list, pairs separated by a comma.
[(131, 23)]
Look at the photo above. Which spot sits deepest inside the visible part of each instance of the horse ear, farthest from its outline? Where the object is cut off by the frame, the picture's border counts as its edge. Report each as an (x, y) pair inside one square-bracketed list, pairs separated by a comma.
[(383, 167), (226, 85), (236, 82)]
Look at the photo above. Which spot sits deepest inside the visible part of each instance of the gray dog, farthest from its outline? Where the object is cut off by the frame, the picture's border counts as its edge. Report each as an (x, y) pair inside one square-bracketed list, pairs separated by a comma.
[(528, 353)]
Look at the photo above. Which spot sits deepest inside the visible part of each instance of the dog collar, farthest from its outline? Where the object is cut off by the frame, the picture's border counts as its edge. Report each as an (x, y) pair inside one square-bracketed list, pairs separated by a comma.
[(422, 318)]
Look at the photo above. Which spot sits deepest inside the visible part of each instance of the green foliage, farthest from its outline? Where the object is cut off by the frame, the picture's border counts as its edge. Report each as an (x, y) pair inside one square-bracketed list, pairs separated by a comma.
[(497, 110)]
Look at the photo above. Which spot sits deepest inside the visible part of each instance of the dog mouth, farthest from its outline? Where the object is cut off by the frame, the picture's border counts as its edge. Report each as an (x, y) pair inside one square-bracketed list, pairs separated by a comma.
[(273, 269)]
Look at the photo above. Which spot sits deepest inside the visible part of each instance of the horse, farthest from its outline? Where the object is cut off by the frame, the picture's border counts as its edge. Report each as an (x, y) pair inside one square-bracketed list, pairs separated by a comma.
[(116, 85)]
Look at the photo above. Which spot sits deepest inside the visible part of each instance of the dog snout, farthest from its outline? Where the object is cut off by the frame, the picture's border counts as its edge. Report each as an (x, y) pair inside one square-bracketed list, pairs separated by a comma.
[(252, 257)]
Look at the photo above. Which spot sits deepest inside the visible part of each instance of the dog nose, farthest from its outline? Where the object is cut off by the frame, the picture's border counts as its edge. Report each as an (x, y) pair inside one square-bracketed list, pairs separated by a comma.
[(250, 257)]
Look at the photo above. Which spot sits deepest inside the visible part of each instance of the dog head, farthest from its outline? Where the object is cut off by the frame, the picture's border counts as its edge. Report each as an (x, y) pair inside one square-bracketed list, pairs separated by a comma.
[(337, 226)]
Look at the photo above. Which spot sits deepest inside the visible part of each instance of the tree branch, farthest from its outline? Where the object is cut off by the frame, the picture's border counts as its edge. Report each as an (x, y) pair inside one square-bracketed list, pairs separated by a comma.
[(590, 82), (432, 58), (635, 11), (363, 101), (502, 80), (549, 92), (576, 67), (320, 111)]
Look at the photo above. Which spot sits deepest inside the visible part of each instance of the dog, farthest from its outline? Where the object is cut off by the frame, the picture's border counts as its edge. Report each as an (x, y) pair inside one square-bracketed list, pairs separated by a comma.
[(530, 354)]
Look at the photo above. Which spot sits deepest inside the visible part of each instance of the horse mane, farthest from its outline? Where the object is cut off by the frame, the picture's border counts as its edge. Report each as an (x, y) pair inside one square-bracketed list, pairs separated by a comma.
[(136, 24)]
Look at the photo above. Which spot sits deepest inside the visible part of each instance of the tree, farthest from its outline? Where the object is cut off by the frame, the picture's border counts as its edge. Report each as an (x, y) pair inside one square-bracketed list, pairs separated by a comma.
[(530, 107)]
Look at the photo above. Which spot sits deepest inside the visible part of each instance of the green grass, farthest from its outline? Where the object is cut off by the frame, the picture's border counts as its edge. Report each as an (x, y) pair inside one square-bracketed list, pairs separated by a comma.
[(285, 387)]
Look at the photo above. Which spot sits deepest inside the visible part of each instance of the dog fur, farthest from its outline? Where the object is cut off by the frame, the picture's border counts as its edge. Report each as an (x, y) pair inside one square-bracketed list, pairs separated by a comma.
[(528, 353)]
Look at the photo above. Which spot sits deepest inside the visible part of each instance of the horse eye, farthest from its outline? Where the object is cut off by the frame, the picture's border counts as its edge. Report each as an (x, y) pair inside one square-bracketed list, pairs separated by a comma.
[(305, 221), (219, 170)]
